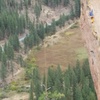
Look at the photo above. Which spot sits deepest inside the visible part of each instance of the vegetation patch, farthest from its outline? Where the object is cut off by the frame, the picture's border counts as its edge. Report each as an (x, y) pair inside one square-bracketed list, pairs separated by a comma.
[(3, 95), (75, 26), (81, 53), (30, 65), (74, 84), (69, 33)]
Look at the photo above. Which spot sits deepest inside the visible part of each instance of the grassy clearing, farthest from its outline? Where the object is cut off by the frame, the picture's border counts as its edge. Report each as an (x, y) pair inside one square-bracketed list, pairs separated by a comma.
[(69, 48), (81, 53)]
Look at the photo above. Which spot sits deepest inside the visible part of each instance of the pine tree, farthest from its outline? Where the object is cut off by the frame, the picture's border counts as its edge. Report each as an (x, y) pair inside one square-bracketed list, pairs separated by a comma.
[(74, 85), (16, 43), (82, 76), (31, 91), (77, 71), (86, 68), (10, 52), (31, 41), (68, 94), (66, 2), (3, 70), (12, 67), (46, 2), (29, 2), (21, 5), (20, 60), (91, 96), (0, 53), (5, 48), (86, 89), (62, 20), (37, 83), (73, 77), (26, 4), (58, 80), (77, 8), (37, 11), (53, 26), (47, 30), (67, 90), (1, 35), (72, 15), (91, 84), (41, 32), (27, 18), (25, 43), (78, 94), (51, 78)]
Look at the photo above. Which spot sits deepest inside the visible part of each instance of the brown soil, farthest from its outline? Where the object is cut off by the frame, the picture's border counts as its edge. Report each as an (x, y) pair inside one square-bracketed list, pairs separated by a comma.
[(21, 96), (62, 52)]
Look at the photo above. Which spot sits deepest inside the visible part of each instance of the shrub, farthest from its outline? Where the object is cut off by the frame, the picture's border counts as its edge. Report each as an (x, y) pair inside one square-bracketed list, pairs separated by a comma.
[(23, 89), (3, 95), (13, 87)]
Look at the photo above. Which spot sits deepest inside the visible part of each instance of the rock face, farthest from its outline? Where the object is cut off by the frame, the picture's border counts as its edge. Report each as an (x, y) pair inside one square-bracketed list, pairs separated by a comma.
[(91, 35)]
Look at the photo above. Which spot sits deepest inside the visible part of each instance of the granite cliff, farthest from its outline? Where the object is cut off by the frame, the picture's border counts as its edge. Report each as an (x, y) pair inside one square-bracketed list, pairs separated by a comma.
[(90, 27)]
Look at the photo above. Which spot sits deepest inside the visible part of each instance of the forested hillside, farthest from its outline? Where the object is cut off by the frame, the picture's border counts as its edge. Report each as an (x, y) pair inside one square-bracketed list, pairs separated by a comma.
[(15, 20), (24, 25), (15, 17)]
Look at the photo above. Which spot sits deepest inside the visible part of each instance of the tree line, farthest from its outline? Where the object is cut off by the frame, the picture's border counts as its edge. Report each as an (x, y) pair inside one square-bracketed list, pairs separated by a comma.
[(54, 3), (13, 22), (39, 31), (8, 57), (73, 84)]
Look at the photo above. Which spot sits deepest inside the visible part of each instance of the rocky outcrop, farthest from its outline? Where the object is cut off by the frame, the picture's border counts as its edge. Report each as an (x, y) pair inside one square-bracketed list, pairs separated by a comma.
[(91, 35)]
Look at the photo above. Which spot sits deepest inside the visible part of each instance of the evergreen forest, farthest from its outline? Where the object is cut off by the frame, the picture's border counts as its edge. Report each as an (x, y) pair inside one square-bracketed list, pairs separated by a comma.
[(72, 84), (14, 24)]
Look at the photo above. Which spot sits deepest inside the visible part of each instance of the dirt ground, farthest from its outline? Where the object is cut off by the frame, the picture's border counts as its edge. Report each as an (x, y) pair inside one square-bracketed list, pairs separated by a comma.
[(64, 51), (22, 96)]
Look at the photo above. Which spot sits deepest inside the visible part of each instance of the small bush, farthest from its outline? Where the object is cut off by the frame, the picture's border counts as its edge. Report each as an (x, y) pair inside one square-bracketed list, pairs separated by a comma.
[(13, 87), (23, 89), (3, 95), (38, 48), (75, 26)]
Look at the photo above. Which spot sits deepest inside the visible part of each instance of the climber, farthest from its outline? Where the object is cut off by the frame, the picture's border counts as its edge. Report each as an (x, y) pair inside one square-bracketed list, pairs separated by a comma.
[(92, 52), (92, 16), (92, 19), (91, 13)]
